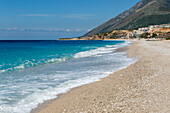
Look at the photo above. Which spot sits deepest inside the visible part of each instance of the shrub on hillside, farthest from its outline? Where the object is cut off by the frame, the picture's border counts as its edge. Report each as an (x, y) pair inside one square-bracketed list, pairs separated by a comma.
[(168, 38)]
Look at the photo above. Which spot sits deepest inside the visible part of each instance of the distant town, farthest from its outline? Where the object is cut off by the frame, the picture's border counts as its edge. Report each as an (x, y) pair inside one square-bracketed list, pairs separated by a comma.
[(153, 31)]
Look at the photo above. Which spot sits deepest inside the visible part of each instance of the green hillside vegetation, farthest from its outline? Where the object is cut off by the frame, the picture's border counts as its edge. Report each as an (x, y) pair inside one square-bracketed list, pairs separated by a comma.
[(144, 13)]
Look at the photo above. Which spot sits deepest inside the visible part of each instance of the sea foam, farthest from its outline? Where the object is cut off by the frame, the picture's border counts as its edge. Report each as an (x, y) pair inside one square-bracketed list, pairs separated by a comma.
[(24, 90), (102, 50)]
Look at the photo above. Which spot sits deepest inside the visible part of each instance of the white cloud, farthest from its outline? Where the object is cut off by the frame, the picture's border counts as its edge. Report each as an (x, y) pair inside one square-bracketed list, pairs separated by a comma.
[(30, 29), (16, 29), (38, 15), (75, 16), (42, 30), (78, 16), (68, 30)]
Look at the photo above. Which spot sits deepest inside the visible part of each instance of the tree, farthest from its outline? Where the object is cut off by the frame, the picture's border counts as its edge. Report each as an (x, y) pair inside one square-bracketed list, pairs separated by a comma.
[(154, 35), (144, 35)]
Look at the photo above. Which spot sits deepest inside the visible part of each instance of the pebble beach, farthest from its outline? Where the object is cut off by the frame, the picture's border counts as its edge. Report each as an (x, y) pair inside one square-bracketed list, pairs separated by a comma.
[(141, 87)]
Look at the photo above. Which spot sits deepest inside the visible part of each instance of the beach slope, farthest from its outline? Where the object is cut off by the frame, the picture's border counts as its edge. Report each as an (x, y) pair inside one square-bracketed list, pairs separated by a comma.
[(142, 87)]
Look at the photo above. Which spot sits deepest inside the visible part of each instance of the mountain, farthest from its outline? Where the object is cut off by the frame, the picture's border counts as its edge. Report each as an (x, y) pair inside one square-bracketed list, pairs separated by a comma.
[(144, 13)]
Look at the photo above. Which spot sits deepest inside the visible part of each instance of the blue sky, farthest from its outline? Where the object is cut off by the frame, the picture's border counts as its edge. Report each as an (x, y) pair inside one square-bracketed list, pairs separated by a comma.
[(26, 19)]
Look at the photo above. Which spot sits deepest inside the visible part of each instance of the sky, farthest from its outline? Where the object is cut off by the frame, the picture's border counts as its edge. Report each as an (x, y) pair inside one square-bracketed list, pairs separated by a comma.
[(53, 19)]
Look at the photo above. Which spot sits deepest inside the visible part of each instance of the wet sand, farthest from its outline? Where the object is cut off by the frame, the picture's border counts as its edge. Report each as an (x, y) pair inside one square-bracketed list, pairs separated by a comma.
[(142, 87)]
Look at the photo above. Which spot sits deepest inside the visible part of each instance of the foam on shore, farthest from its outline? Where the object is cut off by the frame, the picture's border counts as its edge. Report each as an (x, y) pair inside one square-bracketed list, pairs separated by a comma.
[(86, 67)]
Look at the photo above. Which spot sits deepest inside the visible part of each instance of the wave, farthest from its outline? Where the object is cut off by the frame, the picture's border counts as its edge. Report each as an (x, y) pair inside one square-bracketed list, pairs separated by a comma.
[(2, 71), (98, 51), (47, 86), (40, 96), (89, 53), (33, 100), (31, 63)]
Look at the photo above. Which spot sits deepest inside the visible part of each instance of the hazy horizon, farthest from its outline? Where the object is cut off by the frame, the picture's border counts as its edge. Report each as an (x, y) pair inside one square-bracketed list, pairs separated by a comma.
[(50, 20)]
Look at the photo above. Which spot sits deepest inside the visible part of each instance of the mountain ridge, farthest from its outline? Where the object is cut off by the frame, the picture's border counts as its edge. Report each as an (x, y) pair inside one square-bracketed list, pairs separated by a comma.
[(144, 13)]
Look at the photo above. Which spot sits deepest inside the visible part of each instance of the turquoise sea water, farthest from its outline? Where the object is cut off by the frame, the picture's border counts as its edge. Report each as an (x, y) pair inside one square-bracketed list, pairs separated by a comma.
[(34, 71), (17, 55)]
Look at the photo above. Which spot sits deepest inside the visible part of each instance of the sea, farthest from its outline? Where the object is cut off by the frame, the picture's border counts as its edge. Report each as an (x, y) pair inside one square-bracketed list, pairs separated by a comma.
[(34, 71)]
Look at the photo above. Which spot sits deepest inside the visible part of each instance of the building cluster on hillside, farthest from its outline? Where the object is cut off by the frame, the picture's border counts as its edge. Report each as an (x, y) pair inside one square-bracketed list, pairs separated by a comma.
[(158, 29), (152, 27), (152, 30)]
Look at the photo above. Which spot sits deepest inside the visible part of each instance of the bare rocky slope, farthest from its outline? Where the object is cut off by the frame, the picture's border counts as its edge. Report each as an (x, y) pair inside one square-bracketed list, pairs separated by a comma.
[(144, 13)]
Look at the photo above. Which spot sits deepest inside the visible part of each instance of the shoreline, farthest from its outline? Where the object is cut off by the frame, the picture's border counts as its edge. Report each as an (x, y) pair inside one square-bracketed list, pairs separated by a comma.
[(93, 40), (47, 102), (132, 89)]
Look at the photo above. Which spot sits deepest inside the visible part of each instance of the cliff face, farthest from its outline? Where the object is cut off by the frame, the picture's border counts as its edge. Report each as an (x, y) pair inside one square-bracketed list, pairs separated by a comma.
[(144, 13)]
